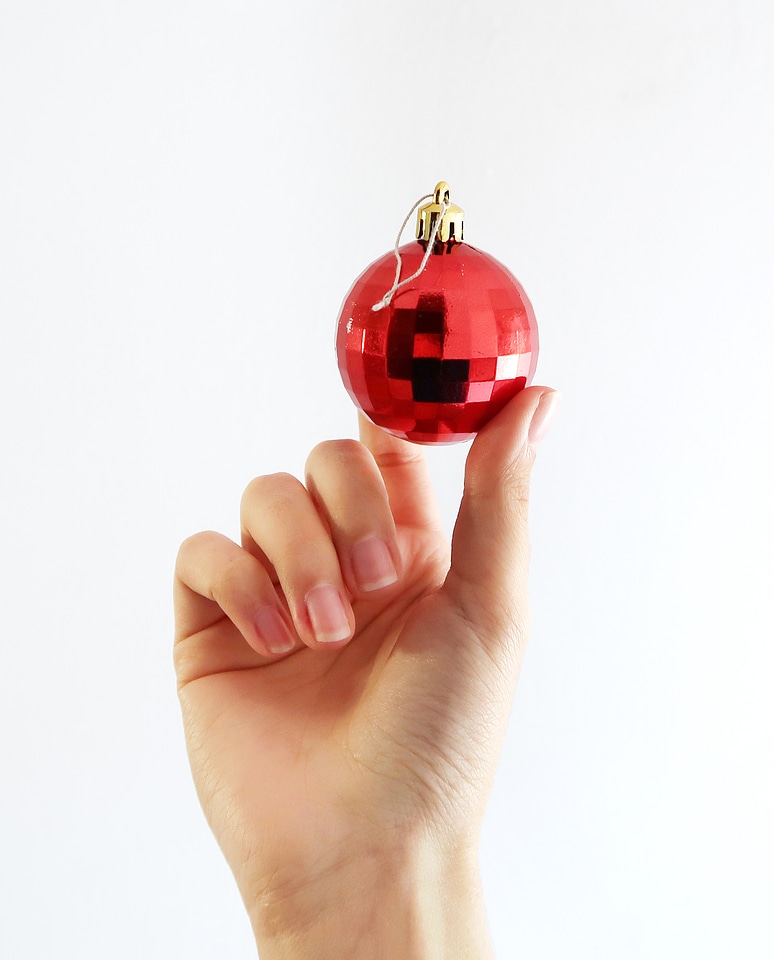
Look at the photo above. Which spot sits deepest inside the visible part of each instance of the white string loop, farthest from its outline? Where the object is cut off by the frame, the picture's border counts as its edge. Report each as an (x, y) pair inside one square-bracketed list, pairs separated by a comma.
[(397, 282)]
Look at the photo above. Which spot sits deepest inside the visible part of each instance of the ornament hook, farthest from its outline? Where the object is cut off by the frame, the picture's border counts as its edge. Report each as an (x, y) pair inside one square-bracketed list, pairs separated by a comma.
[(449, 216), (440, 220), (442, 192)]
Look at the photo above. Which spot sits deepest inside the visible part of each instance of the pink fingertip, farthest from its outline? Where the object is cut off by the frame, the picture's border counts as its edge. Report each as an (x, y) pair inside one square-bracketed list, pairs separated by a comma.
[(543, 417), (273, 631), (373, 565), (327, 614)]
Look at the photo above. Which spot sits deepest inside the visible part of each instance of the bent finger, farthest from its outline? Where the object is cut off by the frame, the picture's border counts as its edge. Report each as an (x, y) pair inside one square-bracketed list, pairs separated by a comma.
[(280, 516), (348, 489), (215, 579)]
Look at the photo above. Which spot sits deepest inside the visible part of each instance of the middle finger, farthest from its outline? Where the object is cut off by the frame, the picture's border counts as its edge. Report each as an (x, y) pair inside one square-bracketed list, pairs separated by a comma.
[(278, 514)]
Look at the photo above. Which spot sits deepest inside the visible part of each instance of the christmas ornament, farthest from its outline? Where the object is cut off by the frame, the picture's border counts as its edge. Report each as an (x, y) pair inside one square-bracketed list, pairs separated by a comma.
[(431, 358)]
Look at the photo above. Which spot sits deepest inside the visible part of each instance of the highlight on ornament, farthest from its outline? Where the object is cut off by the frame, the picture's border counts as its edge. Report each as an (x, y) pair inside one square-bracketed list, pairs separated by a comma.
[(435, 337)]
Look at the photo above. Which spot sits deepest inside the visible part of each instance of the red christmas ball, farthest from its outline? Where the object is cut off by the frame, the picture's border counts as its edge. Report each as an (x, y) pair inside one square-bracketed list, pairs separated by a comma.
[(450, 348)]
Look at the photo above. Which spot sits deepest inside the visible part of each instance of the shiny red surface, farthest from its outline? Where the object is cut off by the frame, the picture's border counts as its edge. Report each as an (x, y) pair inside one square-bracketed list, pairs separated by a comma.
[(449, 351)]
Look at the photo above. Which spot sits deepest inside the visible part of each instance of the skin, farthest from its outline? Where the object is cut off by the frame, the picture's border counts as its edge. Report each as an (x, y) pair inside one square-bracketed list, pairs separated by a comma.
[(346, 779)]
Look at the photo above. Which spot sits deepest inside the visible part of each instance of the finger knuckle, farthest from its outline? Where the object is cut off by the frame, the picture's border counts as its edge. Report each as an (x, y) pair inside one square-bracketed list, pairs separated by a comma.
[(228, 581), (270, 487), (193, 545), (338, 452), (398, 459), (509, 494), (515, 493)]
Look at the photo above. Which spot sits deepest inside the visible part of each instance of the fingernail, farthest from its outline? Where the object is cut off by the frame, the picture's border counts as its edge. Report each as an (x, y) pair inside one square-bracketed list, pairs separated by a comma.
[(273, 630), (542, 417), (327, 614), (372, 564)]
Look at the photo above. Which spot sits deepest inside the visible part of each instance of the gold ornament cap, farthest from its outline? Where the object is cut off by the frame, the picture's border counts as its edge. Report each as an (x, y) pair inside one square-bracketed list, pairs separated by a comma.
[(452, 222)]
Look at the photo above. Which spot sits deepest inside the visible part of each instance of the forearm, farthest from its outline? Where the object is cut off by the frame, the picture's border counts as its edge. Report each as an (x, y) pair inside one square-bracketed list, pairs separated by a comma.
[(415, 906)]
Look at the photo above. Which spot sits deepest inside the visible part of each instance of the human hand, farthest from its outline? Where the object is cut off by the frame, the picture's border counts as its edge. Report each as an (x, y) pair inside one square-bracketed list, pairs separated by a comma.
[(345, 690)]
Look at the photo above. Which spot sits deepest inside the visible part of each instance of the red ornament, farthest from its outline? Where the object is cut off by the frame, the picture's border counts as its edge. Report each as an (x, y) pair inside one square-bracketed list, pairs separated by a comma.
[(433, 360)]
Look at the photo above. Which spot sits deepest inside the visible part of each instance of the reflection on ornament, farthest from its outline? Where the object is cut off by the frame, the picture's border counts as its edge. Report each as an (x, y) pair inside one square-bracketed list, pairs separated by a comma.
[(433, 359)]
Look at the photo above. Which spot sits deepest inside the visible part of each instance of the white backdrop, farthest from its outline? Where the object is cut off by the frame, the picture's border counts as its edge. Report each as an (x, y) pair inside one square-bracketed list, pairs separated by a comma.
[(187, 191)]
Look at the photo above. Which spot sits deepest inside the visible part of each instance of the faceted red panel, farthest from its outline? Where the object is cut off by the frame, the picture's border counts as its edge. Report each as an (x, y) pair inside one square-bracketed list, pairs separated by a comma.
[(449, 351)]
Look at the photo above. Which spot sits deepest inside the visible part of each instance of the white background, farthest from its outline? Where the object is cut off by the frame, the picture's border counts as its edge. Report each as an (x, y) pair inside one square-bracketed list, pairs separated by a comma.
[(187, 191)]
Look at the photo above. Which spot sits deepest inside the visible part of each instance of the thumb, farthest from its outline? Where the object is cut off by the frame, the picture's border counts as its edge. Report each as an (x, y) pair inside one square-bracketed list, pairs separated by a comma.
[(487, 582)]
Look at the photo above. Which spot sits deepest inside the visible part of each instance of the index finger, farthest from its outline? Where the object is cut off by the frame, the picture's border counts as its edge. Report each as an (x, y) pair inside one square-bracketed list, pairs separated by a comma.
[(405, 474)]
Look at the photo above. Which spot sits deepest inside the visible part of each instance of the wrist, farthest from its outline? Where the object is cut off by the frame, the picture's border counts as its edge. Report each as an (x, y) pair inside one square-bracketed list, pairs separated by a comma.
[(417, 903)]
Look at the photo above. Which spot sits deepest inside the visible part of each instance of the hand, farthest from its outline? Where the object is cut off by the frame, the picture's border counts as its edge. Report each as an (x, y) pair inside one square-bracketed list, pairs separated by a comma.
[(345, 690)]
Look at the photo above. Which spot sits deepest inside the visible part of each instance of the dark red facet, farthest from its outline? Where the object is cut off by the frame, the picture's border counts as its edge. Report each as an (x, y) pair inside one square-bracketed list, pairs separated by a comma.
[(447, 354)]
